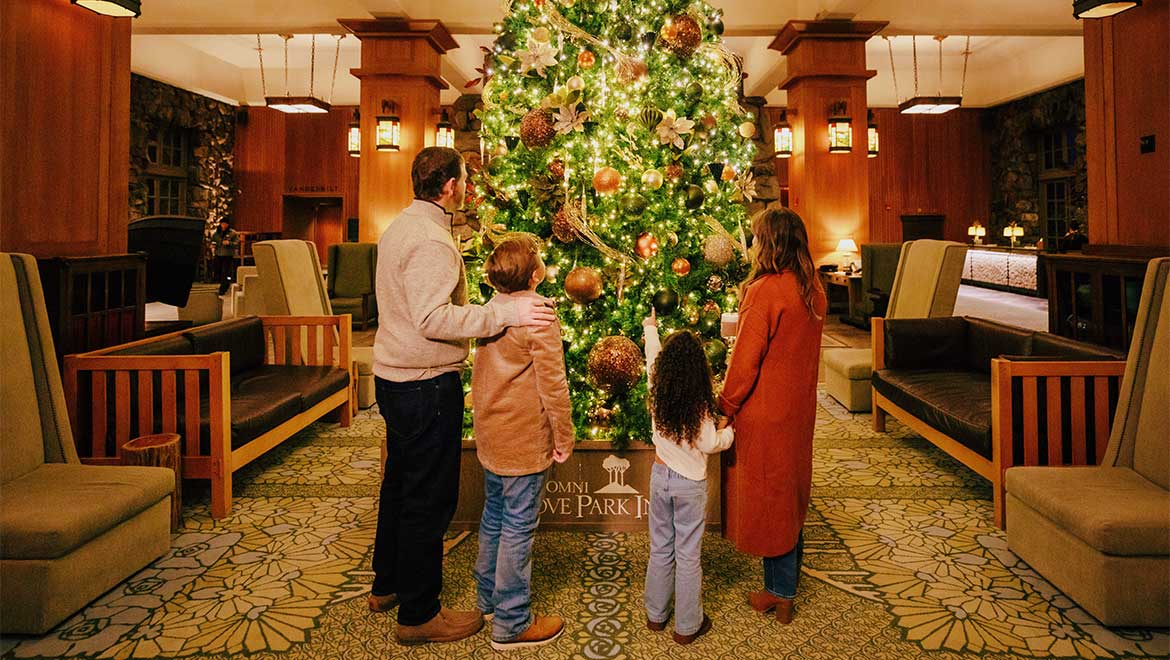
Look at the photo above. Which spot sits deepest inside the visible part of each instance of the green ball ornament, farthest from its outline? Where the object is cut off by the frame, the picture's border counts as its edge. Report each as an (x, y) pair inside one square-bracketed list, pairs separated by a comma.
[(650, 117), (652, 179), (693, 92), (695, 197), (665, 302), (634, 203), (623, 31), (711, 313), (716, 352)]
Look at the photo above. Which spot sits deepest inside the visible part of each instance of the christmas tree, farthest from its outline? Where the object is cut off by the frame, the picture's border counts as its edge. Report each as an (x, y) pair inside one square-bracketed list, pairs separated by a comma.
[(612, 130)]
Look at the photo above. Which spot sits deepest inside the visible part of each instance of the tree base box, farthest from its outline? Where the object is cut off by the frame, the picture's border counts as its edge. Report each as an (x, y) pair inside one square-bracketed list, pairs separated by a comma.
[(598, 489)]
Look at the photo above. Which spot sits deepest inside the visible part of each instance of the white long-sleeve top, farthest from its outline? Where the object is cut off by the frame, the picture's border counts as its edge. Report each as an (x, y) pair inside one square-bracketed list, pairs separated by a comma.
[(689, 460)]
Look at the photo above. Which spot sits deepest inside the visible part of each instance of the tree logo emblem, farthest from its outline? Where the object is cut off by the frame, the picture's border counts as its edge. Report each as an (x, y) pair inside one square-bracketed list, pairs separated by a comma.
[(617, 476)]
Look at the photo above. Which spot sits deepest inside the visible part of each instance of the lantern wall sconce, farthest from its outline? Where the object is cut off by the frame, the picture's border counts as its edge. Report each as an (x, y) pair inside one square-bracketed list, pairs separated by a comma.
[(782, 137), (389, 128), (119, 8), (871, 137), (445, 132), (353, 136), (840, 129)]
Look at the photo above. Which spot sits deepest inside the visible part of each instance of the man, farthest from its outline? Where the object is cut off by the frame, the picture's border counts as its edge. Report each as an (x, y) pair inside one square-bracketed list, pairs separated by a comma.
[(225, 244), (1074, 239), (425, 324)]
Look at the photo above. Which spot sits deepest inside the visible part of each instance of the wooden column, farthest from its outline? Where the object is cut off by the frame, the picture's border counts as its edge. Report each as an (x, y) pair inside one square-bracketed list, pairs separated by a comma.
[(826, 64), (1127, 76), (64, 129), (401, 61)]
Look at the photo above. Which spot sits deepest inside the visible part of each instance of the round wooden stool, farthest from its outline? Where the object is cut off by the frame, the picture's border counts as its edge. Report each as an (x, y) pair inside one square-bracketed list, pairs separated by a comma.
[(159, 450)]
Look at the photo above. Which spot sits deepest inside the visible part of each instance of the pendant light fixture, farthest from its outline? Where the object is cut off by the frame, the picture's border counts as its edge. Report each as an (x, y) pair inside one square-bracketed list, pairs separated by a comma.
[(289, 103), (782, 137), (840, 129), (353, 136), (445, 132), (389, 128), (1100, 8), (871, 137), (931, 105), (119, 8)]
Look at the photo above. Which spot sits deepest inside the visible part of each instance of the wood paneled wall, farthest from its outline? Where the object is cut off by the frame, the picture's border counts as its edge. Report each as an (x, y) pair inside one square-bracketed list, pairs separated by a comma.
[(1127, 75), (259, 170), (929, 165), (64, 129)]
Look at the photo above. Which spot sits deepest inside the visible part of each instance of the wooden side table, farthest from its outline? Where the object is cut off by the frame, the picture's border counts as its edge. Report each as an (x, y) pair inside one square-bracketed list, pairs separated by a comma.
[(852, 285), (160, 450)]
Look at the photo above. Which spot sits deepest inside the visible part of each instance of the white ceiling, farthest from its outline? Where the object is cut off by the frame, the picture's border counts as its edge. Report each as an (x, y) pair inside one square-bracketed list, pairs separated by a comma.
[(209, 47)]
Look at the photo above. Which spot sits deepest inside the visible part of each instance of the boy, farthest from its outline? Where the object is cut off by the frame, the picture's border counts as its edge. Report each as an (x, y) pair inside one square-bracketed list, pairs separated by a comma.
[(523, 422)]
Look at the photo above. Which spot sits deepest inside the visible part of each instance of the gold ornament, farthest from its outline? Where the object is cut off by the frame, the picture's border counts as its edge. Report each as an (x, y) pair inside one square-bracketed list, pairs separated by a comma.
[(647, 246), (718, 250), (557, 169), (711, 186), (536, 128), (607, 180), (602, 417), (674, 172), (681, 36), (541, 35), (747, 130), (680, 266), (575, 84), (583, 285), (586, 59), (652, 179), (691, 313), (709, 121), (650, 117), (728, 173), (615, 363), (715, 283), (565, 222), (631, 70)]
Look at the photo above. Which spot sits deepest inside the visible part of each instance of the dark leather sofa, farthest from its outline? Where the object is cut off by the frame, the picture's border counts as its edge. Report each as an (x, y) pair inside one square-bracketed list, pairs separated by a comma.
[(254, 382), (949, 379)]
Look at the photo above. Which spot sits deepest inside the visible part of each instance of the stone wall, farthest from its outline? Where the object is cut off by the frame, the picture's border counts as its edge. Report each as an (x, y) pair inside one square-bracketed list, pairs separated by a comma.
[(1016, 129), (211, 128)]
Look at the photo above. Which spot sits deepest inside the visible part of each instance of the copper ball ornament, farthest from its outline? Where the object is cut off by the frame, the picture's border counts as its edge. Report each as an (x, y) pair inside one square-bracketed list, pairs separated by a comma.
[(586, 59), (557, 169), (647, 246), (615, 363), (681, 36), (728, 174), (565, 223), (631, 71), (607, 180), (674, 172), (583, 285), (718, 250), (536, 128), (680, 266)]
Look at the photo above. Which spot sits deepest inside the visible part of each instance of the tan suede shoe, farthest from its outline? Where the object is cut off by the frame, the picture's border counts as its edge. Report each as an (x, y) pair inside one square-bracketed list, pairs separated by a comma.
[(446, 626), (544, 629), (382, 603)]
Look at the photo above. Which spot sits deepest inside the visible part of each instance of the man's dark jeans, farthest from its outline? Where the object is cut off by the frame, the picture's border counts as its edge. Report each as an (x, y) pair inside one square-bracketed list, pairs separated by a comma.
[(424, 429)]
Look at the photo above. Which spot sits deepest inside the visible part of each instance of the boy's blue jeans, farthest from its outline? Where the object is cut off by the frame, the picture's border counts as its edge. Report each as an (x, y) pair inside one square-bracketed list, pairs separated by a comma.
[(678, 508), (503, 572)]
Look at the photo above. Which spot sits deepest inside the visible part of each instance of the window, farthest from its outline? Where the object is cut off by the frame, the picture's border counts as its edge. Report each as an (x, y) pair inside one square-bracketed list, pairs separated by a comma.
[(166, 175), (1058, 150), (1055, 202), (1058, 155)]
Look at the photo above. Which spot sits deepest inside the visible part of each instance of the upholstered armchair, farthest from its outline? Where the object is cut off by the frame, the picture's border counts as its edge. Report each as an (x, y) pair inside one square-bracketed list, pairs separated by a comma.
[(352, 267), (1102, 534), (290, 278), (249, 298), (68, 532), (879, 265), (925, 285)]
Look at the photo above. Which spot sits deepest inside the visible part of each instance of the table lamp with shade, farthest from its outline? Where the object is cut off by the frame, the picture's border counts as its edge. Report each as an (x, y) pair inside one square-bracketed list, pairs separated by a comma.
[(848, 246), (977, 232), (1014, 232)]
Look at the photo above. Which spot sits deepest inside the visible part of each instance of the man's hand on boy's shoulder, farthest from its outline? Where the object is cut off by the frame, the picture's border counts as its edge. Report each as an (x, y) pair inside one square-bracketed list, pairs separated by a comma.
[(532, 311)]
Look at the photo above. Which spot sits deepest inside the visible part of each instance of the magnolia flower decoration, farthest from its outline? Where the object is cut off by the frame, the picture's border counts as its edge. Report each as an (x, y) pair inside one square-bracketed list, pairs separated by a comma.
[(745, 188), (569, 119), (539, 56), (672, 129)]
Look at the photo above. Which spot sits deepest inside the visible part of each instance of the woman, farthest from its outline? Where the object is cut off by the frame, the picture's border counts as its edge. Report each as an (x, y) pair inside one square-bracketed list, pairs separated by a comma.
[(770, 393)]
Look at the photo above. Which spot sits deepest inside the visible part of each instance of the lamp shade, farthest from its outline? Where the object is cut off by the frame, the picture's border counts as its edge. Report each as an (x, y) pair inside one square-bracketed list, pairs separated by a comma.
[(930, 105), (1102, 8), (846, 245), (297, 104), (120, 8)]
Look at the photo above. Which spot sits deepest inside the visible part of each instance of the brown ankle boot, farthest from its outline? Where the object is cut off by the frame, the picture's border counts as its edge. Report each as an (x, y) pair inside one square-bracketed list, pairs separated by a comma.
[(446, 626), (762, 601), (542, 630), (704, 628), (382, 603)]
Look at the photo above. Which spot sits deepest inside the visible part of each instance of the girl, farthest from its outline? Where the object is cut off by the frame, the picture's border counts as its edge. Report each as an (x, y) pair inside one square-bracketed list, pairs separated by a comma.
[(771, 395), (685, 431)]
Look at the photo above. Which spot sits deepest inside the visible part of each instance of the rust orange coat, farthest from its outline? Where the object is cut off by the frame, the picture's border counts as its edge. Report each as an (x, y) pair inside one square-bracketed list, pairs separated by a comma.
[(771, 395)]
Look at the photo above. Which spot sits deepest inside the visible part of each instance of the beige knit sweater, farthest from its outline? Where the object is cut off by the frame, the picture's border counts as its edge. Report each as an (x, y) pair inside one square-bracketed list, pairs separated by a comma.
[(424, 320)]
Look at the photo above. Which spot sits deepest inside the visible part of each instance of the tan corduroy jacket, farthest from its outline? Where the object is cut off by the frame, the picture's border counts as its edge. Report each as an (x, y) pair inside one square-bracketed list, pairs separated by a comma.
[(521, 399)]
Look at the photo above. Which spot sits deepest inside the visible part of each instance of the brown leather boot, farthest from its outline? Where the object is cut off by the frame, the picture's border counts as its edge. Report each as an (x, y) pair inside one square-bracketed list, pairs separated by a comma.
[(382, 603), (544, 629), (762, 601), (704, 628), (446, 626), (655, 626)]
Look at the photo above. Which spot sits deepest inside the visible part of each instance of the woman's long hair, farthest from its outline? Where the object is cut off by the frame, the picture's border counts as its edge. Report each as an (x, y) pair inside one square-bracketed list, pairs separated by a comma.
[(781, 244), (680, 388)]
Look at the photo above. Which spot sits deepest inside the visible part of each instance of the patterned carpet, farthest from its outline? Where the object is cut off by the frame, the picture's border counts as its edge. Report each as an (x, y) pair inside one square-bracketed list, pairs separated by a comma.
[(902, 562)]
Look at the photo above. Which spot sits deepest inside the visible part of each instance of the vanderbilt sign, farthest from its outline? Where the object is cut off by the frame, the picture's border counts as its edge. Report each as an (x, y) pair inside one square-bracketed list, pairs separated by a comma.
[(596, 489)]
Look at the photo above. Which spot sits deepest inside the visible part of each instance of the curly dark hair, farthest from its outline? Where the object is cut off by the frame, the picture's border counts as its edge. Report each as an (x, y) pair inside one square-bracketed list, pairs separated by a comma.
[(680, 388)]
